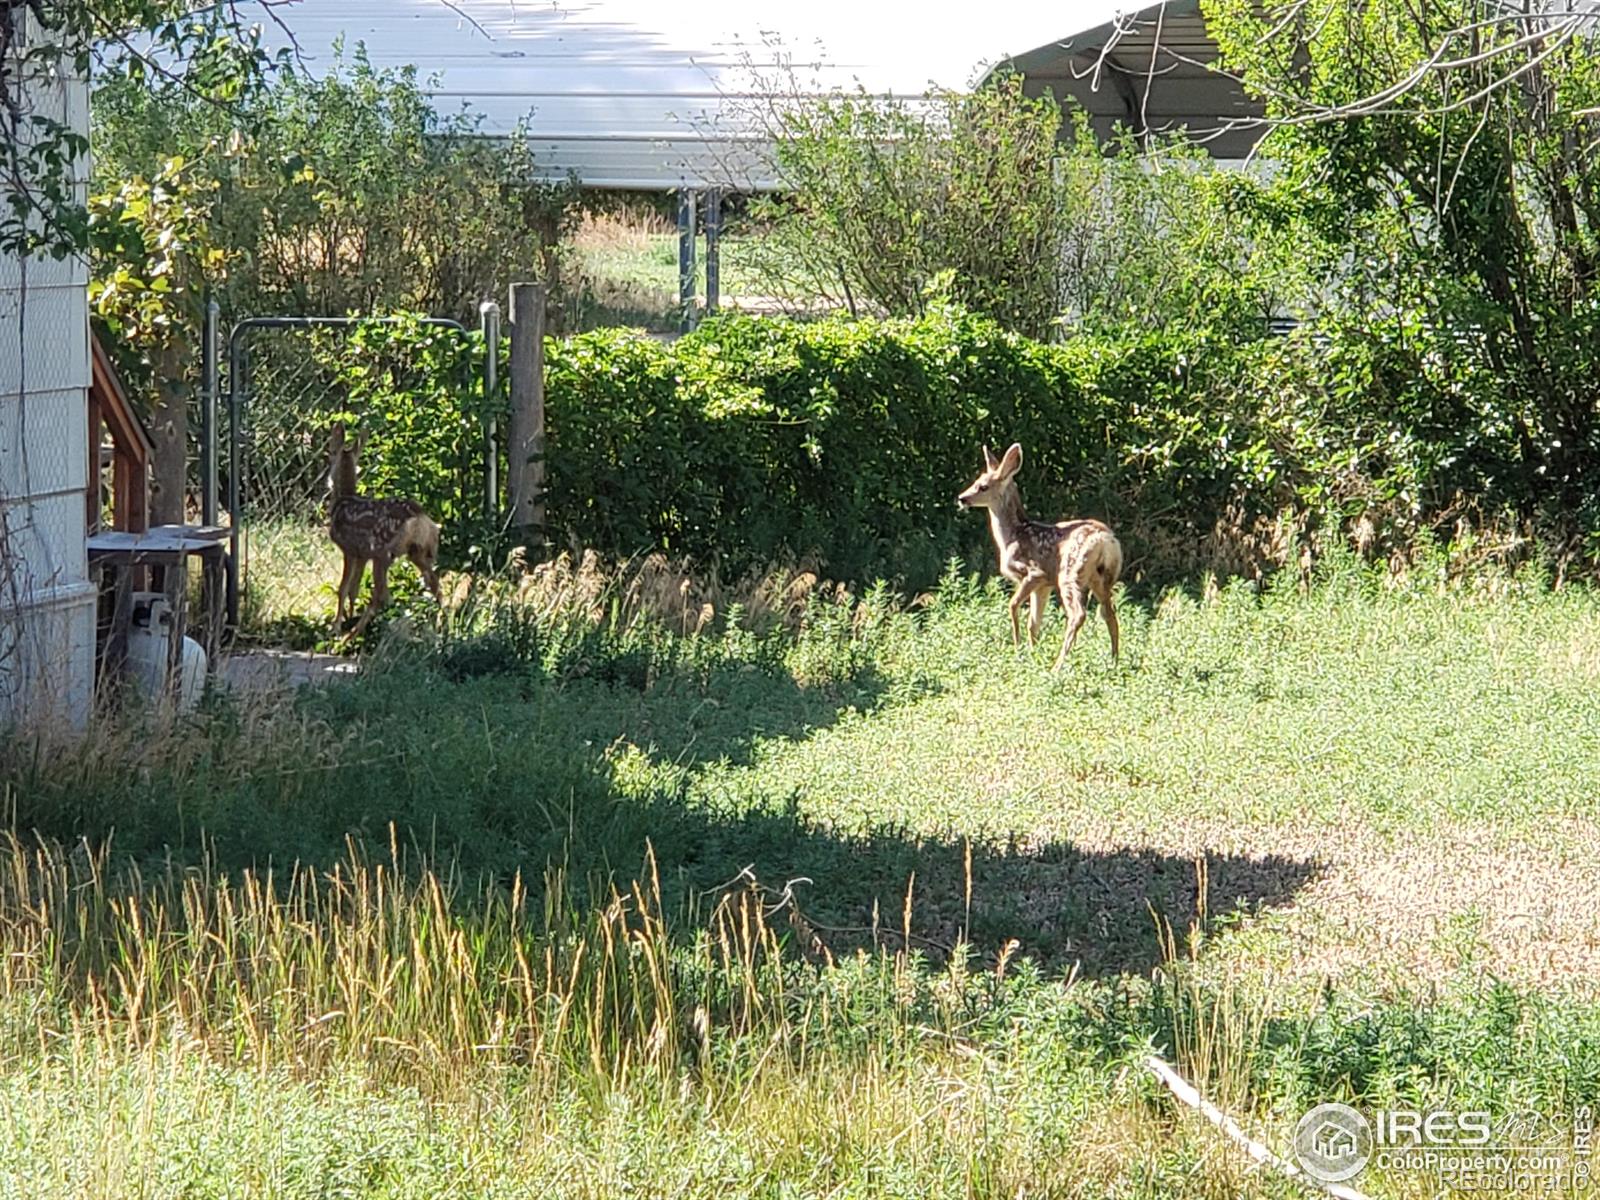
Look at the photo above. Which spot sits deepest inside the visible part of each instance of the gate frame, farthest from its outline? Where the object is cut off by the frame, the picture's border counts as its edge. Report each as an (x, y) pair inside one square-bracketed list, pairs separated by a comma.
[(238, 392)]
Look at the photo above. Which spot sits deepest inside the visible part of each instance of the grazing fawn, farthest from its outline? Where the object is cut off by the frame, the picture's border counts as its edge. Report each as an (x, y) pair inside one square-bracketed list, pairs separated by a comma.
[(1079, 558), (375, 531)]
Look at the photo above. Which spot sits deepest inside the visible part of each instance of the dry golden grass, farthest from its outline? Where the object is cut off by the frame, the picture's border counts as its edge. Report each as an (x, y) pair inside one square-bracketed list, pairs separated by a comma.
[(630, 229), (671, 594)]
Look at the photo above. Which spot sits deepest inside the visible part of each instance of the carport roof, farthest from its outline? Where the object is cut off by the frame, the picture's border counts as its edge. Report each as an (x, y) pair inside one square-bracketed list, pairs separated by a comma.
[(1149, 70), (649, 94)]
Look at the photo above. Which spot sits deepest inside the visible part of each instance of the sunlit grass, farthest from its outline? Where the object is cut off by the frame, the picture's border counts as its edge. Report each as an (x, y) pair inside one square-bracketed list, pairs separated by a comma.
[(643, 252), (624, 270), (290, 574), (289, 584), (636, 882)]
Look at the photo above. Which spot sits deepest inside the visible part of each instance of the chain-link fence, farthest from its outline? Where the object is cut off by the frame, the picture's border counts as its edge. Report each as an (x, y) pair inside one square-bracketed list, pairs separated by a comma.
[(412, 387)]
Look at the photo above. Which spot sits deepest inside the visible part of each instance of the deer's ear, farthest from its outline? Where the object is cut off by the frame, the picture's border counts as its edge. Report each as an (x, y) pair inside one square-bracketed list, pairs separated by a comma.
[(1012, 461), (336, 440), (988, 458), (361, 441)]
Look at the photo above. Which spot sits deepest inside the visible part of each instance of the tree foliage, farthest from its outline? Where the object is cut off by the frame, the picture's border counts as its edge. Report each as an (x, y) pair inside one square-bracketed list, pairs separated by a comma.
[(1157, 236), (349, 192), (1458, 146), (345, 193), (207, 50), (220, 170), (1029, 221), (882, 197), (340, 194)]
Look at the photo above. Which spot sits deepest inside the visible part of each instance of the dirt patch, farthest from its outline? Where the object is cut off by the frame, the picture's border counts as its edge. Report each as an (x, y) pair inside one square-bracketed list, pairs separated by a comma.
[(1512, 905), (1461, 900), (1334, 901)]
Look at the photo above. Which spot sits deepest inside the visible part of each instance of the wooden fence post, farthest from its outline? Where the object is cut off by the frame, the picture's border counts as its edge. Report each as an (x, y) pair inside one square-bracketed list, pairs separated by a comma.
[(525, 440)]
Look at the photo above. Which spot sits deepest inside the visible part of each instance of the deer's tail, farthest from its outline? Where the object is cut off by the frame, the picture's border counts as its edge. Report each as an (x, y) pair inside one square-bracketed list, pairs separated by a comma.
[(1096, 563), (1108, 564)]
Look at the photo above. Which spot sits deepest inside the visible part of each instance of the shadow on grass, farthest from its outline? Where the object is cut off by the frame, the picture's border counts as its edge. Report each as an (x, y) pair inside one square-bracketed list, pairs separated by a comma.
[(1063, 905), (644, 744), (515, 774)]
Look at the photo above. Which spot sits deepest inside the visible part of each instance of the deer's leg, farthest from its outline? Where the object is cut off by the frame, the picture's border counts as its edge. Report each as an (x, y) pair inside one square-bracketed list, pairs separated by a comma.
[(349, 586), (1108, 610), (1025, 591), (1036, 603), (380, 594), (344, 586), (1029, 584), (380, 582), (1072, 601), (355, 585), (355, 632)]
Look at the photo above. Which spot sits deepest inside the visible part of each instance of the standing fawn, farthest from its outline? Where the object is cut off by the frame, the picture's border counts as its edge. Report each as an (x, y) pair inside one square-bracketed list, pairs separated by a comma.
[(1076, 557), (375, 531)]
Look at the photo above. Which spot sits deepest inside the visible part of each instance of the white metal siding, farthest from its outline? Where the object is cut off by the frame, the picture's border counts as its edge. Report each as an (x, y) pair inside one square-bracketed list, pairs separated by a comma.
[(46, 336), (47, 605), (646, 94)]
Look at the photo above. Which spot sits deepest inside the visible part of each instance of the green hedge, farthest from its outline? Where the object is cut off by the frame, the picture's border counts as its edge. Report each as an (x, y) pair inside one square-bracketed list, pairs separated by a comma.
[(753, 440)]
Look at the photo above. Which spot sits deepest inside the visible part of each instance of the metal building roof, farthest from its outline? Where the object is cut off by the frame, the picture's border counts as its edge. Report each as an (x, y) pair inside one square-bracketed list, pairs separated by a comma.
[(649, 94), (1148, 70)]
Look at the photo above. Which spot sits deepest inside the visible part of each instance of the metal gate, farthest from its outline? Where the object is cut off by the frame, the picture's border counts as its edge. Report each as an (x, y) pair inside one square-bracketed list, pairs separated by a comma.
[(419, 388)]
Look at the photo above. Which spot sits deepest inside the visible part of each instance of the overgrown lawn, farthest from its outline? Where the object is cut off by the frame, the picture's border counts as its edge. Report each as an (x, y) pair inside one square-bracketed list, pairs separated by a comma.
[(829, 897)]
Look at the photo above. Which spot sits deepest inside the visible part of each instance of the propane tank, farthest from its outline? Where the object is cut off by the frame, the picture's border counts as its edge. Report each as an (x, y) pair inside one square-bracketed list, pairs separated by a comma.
[(149, 645)]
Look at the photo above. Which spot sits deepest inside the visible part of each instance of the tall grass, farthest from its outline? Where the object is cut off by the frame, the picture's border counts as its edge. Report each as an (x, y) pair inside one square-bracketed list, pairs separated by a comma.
[(123, 987), (406, 969), (384, 1007), (291, 576)]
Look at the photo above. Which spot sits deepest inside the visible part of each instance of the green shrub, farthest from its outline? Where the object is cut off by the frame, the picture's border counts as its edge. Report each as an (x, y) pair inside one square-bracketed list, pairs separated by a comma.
[(412, 389), (759, 441), (754, 440)]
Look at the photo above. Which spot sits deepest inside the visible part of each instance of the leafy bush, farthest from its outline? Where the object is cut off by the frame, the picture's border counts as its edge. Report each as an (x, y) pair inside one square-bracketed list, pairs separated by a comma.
[(1467, 195), (412, 388), (881, 196), (1011, 206), (757, 440), (760, 441)]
